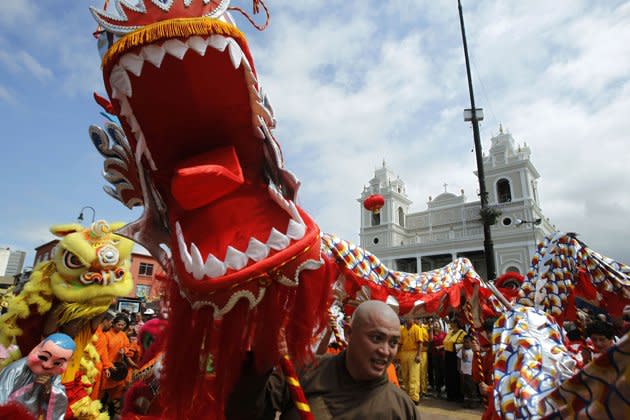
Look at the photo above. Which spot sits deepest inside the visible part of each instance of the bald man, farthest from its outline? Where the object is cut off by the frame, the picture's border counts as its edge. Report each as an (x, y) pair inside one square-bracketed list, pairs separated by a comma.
[(350, 385)]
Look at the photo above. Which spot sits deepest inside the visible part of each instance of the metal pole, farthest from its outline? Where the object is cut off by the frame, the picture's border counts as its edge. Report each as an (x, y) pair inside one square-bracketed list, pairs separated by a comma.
[(80, 218), (487, 235)]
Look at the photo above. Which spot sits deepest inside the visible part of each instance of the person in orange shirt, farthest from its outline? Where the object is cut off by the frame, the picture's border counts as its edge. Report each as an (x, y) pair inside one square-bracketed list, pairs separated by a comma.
[(409, 357), (134, 351), (117, 345), (101, 348)]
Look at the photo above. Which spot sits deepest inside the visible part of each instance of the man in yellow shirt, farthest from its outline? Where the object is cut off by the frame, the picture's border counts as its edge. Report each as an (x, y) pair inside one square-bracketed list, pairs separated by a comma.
[(410, 356), (424, 360)]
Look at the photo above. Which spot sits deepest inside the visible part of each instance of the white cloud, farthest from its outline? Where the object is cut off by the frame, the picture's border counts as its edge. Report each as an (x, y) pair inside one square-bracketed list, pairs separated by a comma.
[(355, 82), (33, 66), (21, 62), (347, 95), (7, 96), (16, 12)]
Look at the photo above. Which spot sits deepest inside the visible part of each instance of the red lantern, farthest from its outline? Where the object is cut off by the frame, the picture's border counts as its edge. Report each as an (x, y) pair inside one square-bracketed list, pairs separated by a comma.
[(374, 203)]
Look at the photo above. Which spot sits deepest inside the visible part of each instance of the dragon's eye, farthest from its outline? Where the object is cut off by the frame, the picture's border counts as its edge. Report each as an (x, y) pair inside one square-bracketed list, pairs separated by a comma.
[(71, 261)]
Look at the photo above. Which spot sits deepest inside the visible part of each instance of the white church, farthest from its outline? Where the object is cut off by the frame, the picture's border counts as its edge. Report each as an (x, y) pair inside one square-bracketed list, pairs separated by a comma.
[(450, 226)]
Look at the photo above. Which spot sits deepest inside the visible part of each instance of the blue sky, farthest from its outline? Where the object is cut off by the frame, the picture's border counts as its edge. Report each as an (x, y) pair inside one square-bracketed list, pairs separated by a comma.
[(352, 83)]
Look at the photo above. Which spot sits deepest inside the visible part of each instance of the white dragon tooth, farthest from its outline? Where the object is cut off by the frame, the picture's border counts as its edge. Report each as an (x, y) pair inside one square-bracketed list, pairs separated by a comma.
[(235, 53), (264, 113), (217, 42), (277, 240), (143, 150), (259, 133), (197, 262), (253, 90), (296, 230), (295, 214), (125, 109), (235, 259), (154, 54), (256, 250), (176, 48), (133, 63), (133, 123), (119, 80), (183, 250), (278, 198), (197, 44), (258, 126), (214, 267), (246, 63)]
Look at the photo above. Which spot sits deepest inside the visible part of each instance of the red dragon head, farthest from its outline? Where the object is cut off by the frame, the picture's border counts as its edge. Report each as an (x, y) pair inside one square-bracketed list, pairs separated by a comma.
[(220, 209)]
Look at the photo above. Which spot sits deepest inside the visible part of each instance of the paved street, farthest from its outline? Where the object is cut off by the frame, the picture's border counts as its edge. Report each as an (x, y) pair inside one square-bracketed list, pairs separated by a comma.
[(433, 409)]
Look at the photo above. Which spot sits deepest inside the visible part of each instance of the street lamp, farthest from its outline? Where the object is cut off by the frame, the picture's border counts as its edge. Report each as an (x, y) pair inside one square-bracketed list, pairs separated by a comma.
[(529, 222), (80, 218), (474, 115), (534, 223)]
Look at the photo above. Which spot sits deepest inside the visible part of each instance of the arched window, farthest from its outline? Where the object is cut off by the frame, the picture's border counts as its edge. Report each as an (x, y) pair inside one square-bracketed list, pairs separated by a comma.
[(512, 269), (401, 217), (376, 219), (504, 193)]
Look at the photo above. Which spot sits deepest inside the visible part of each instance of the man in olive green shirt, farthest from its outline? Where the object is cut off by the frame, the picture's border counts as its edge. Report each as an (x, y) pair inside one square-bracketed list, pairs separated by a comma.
[(350, 385)]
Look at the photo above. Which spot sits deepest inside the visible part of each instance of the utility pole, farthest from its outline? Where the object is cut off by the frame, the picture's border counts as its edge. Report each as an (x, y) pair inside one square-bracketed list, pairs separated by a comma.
[(475, 115)]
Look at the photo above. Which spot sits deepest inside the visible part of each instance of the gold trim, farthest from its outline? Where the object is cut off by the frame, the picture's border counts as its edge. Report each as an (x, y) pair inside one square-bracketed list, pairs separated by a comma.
[(172, 28)]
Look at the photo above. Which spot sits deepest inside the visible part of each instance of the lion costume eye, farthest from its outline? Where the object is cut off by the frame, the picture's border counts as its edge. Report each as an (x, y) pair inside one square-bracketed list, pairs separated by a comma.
[(71, 261)]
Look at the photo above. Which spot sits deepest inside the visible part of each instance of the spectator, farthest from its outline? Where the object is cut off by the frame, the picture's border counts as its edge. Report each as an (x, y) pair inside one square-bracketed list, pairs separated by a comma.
[(117, 345), (350, 385), (149, 314), (602, 337), (409, 357), (104, 364), (424, 359), (465, 361), (452, 341), (437, 357), (137, 319)]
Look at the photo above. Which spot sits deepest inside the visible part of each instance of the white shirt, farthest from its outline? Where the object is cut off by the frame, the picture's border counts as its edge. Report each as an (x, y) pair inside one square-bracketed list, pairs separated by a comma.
[(466, 358)]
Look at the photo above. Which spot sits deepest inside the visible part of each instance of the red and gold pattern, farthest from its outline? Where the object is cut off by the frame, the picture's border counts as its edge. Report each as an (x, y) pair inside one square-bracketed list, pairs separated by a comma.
[(299, 399)]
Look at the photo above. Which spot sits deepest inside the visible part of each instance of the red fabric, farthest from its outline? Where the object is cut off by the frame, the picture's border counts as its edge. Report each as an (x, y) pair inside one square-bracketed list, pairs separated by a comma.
[(613, 303), (205, 178), (33, 330), (487, 364), (490, 413), (130, 407), (585, 287), (300, 311), (104, 103), (15, 411), (156, 328), (75, 391)]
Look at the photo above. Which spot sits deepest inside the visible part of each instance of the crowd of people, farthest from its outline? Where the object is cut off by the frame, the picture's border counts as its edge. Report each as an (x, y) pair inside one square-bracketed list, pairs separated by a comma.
[(120, 353), (443, 359)]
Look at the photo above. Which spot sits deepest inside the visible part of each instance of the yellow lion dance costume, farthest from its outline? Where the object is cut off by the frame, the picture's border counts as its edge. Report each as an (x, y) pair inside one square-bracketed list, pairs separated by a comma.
[(89, 270)]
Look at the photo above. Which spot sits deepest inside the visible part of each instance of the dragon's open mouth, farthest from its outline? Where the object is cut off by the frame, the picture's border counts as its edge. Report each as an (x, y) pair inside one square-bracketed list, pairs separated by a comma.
[(211, 156)]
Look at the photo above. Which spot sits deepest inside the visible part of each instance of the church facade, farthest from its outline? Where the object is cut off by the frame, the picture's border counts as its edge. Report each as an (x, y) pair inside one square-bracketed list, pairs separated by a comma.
[(450, 227)]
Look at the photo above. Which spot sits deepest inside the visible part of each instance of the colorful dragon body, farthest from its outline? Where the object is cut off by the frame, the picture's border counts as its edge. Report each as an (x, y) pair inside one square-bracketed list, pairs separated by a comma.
[(247, 264), (220, 208), (534, 372), (89, 269)]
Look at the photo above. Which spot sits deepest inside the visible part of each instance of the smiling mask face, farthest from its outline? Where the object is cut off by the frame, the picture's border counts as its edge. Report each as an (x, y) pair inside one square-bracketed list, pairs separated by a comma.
[(49, 357)]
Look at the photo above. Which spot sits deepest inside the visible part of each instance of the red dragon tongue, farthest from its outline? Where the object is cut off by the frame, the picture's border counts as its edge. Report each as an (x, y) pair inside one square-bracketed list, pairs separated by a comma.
[(200, 180)]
